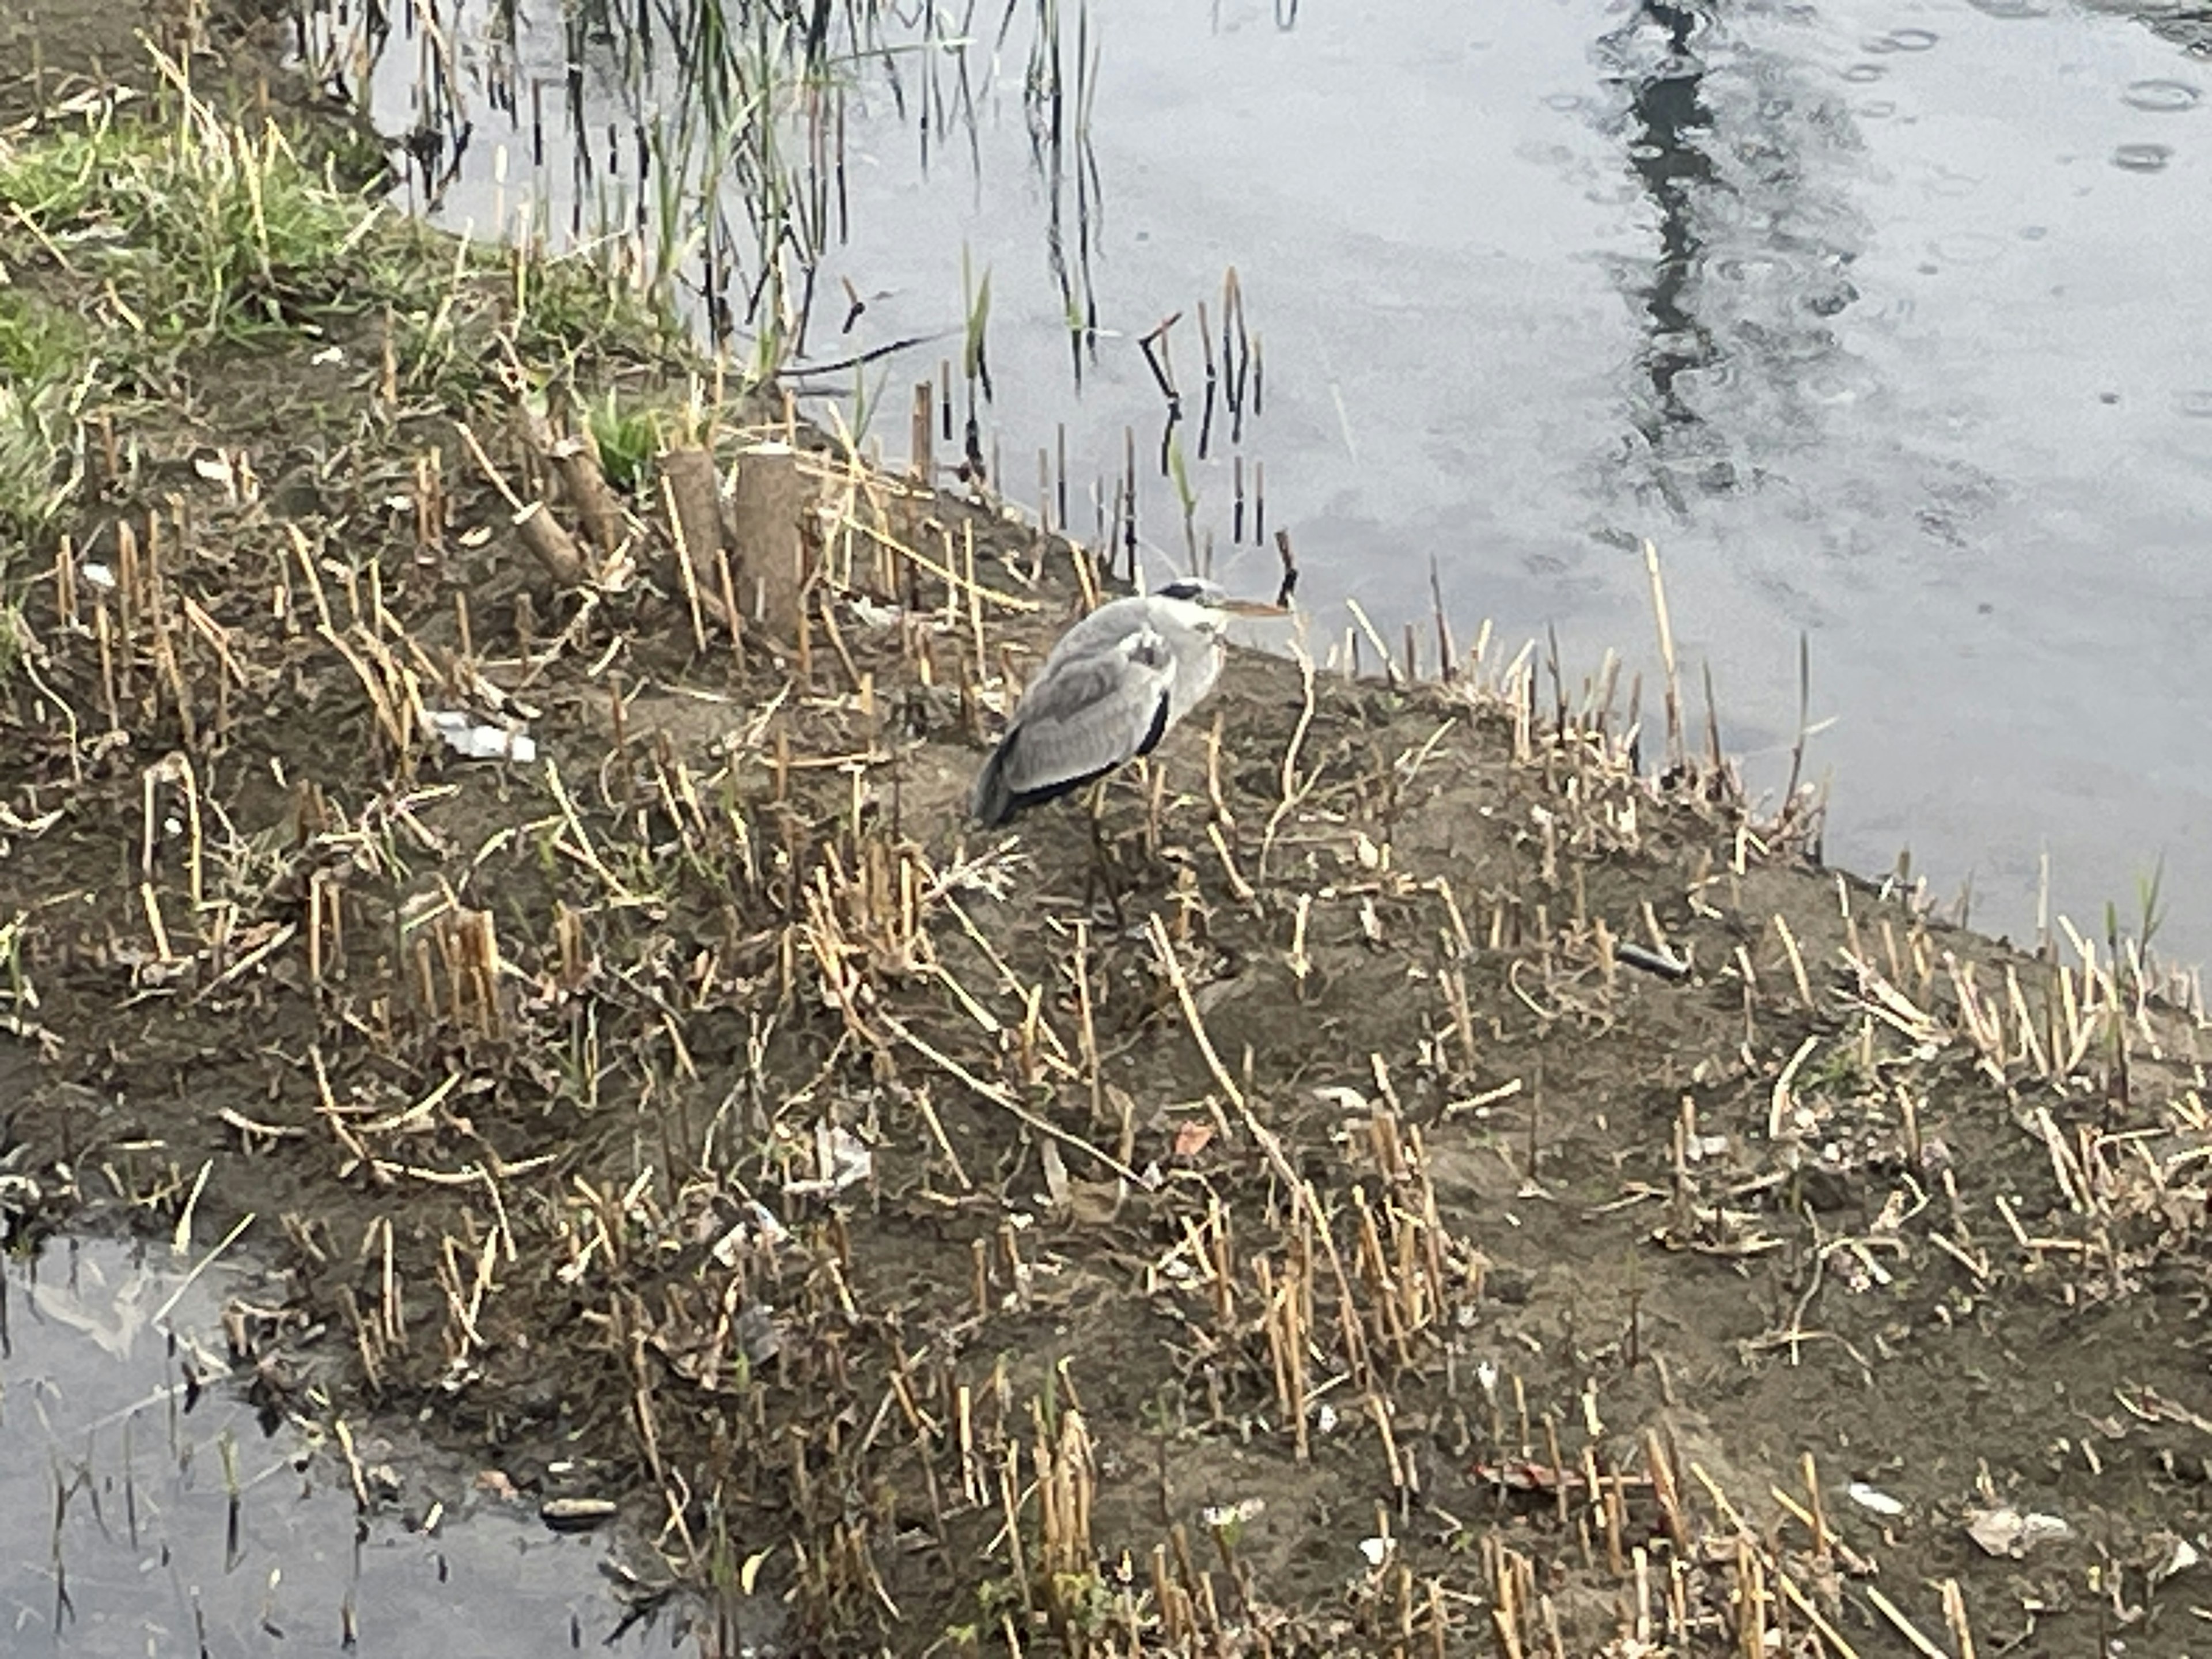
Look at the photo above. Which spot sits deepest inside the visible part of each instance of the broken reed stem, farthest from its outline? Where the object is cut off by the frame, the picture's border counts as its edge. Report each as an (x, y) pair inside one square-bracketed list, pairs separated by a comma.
[(1088, 1033), (1954, 1615), (731, 616), (1006, 1102), (1270, 1148), (1675, 757), (688, 559), (1163, 949), (1818, 1509), (1911, 1632), (585, 485), (1796, 961), (548, 542)]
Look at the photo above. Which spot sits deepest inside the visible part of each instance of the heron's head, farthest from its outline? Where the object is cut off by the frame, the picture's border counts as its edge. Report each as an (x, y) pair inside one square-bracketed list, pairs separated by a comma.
[(1213, 606), (1193, 590)]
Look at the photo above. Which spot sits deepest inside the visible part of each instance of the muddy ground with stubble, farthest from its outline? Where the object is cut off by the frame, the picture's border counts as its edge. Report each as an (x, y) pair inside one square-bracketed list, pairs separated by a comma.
[(1421, 1184)]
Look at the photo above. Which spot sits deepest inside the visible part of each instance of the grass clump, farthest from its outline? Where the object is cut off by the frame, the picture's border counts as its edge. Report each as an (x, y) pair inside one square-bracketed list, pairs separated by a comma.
[(208, 233), (189, 232), (39, 343), (627, 436), (35, 447), (45, 375)]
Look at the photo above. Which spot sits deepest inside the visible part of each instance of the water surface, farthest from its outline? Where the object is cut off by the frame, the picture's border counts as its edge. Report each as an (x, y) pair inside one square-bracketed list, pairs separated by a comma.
[(120, 1538)]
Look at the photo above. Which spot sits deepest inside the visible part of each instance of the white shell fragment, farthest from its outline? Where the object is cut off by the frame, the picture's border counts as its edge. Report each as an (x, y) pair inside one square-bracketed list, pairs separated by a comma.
[(758, 1226), (2183, 1556), (1873, 1498), (2005, 1531), (1237, 1514), (472, 741), (871, 615)]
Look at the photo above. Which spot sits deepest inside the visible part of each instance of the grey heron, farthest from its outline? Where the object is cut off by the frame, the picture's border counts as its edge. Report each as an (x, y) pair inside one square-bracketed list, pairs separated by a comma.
[(1109, 690)]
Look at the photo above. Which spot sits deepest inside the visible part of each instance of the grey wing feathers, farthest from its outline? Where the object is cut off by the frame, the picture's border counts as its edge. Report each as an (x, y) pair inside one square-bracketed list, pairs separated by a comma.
[(1098, 702), (993, 803)]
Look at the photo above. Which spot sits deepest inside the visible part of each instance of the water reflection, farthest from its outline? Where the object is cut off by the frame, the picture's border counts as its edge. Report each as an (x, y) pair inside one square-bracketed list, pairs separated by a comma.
[(1669, 117), (2187, 27), (1744, 162), (1060, 152)]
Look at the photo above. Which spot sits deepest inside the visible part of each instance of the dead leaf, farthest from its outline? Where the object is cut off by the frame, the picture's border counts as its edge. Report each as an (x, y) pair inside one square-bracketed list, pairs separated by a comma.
[(1193, 1138)]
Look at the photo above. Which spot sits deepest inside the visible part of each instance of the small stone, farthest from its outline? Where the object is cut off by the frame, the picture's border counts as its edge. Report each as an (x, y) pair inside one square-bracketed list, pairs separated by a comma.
[(575, 1514)]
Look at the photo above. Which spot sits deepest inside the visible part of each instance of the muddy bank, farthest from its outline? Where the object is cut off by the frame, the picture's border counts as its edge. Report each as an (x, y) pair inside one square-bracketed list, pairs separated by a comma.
[(1472, 1188)]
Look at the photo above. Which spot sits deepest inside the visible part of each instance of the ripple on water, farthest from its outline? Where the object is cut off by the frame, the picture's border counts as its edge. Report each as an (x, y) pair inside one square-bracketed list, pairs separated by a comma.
[(2161, 97), (2197, 403), (2010, 10), (2142, 158), (1864, 72), (1969, 247), (1902, 41)]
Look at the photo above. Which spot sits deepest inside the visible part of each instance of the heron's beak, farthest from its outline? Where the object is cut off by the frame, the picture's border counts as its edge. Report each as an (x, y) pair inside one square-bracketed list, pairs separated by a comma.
[(1253, 608)]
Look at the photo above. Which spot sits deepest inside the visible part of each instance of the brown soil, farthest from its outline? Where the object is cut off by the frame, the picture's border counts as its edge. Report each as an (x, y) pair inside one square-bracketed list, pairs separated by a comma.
[(55, 52), (54, 48), (549, 1082)]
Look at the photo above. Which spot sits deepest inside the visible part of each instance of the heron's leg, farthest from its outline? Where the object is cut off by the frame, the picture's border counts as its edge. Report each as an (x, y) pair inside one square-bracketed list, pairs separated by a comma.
[(1102, 866), (1154, 780)]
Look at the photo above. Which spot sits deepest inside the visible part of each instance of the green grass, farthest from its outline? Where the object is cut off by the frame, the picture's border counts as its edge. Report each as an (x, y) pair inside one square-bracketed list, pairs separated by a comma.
[(46, 371), (39, 343), (627, 437), (195, 232), (207, 232)]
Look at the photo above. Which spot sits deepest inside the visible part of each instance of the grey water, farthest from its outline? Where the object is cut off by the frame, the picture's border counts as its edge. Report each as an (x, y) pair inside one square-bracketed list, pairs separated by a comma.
[(1882, 318), (118, 1537)]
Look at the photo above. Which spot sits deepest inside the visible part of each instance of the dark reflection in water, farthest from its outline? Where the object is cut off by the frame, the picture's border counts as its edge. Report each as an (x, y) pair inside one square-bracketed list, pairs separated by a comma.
[(1750, 168), (1669, 116)]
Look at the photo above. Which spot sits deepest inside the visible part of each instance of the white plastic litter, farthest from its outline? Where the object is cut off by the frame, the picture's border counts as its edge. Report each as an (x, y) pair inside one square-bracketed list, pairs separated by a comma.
[(1873, 1498), (473, 741)]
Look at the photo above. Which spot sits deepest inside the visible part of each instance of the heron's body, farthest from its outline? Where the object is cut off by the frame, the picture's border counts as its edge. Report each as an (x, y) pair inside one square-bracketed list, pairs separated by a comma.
[(1109, 690)]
